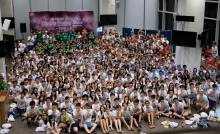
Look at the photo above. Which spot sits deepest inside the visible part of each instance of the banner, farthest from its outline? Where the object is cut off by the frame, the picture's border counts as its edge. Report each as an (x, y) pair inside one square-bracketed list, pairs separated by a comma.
[(62, 20)]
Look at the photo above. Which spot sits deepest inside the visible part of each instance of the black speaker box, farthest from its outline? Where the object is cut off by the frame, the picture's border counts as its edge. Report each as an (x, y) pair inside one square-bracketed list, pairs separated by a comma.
[(23, 27)]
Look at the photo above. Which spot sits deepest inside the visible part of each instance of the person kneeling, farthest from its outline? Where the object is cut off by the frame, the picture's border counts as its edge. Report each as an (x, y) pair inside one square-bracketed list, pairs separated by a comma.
[(66, 121), (32, 112)]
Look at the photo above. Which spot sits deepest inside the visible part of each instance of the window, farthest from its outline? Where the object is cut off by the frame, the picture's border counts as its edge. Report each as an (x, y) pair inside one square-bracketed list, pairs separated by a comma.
[(160, 20), (170, 5), (169, 21), (211, 9), (211, 25), (161, 5)]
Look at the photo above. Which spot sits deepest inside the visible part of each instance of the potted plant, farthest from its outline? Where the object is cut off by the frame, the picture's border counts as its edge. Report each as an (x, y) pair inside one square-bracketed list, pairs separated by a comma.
[(3, 83)]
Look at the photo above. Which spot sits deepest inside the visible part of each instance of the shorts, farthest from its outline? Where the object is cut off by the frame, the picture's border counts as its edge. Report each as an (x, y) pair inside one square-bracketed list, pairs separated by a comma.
[(179, 112), (136, 117), (21, 111), (74, 125), (167, 111), (127, 119), (32, 118), (212, 103), (88, 124)]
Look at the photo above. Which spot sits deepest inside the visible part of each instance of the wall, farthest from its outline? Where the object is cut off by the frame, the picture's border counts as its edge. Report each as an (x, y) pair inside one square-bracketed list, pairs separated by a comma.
[(107, 7), (23, 7), (191, 56), (7, 11), (139, 14)]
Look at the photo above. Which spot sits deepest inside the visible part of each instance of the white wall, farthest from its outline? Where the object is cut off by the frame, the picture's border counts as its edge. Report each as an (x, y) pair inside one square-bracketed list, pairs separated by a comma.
[(141, 14), (185, 55), (107, 7), (7, 11)]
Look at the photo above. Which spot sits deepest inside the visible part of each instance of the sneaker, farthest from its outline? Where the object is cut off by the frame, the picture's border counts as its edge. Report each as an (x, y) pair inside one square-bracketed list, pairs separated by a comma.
[(157, 117), (139, 124), (149, 123), (170, 116), (139, 129), (65, 130)]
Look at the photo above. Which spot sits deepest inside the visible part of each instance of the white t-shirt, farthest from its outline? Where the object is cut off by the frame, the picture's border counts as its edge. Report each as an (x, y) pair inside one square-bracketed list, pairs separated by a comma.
[(149, 108), (30, 41), (180, 106), (89, 117), (213, 96), (48, 127), (20, 102), (214, 49), (164, 105), (56, 114), (203, 100), (34, 112)]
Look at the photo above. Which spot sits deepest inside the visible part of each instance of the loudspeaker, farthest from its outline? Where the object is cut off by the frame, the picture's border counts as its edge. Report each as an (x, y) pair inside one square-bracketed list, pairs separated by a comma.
[(23, 27), (2, 49), (6, 24), (199, 36)]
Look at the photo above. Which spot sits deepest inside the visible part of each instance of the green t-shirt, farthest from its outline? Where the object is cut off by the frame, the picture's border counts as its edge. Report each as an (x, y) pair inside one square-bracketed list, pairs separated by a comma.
[(73, 34), (64, 37)]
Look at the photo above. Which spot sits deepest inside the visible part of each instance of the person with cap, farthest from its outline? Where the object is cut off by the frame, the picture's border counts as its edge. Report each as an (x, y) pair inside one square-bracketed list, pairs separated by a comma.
[(202, 102), (213, 97), (87, 119)]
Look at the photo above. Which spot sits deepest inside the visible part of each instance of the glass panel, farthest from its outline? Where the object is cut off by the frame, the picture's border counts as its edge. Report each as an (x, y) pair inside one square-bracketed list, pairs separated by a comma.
[(211, 9), (161, 5), (160, 20), (170, 5), (211, 25), (169, 21)]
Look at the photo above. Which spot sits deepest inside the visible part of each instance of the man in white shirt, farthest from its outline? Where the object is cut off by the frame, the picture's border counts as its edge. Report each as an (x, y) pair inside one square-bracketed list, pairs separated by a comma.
[(54, 112), (202, 101), (30, 43), (32, 112), (213, 97), (22, 47), (214, 50), (178, 109)]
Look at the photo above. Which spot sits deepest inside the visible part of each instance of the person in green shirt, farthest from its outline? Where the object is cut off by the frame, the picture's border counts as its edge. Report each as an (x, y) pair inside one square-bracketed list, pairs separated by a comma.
[(73, 34), (96, 41), (64, 36), (39, 38), (50, 46)]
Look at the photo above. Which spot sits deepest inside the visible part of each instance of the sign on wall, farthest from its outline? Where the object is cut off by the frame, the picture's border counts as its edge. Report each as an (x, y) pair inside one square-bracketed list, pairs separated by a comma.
[(62, 20)]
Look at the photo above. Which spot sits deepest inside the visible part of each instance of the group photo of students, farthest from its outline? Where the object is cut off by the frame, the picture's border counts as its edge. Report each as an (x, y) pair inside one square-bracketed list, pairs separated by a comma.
[(73, 81)]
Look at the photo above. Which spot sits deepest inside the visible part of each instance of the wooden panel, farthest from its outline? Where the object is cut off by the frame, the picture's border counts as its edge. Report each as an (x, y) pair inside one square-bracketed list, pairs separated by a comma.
[(4, 106)]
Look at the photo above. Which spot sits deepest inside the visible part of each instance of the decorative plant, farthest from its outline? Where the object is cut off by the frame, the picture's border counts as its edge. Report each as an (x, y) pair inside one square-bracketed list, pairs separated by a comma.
[(3, 83)]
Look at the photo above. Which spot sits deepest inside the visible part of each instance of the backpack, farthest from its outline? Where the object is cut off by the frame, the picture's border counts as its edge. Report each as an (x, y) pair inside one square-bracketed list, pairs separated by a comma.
[(211, 116)]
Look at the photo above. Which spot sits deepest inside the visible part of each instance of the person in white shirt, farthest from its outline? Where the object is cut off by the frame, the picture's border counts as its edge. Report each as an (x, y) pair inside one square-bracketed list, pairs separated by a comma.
[(101, 119), (126, 116), (178, 109), (202, 101), (149, 113), (136, 112), (54, 112), (32, 112), (30, 43), (214, 50), (116, 114), (213, 97), (52, 126), (87, 118), (22, 47), (164, 108), (47, 105), (21, 105)]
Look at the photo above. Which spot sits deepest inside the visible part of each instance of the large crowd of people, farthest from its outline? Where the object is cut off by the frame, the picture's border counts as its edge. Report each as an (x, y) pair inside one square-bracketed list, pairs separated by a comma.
[(76, 80)]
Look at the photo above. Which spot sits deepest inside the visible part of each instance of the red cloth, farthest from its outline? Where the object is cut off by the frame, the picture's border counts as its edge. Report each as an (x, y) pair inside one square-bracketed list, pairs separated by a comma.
[(207, 52), (209, 62), (217, 64)]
